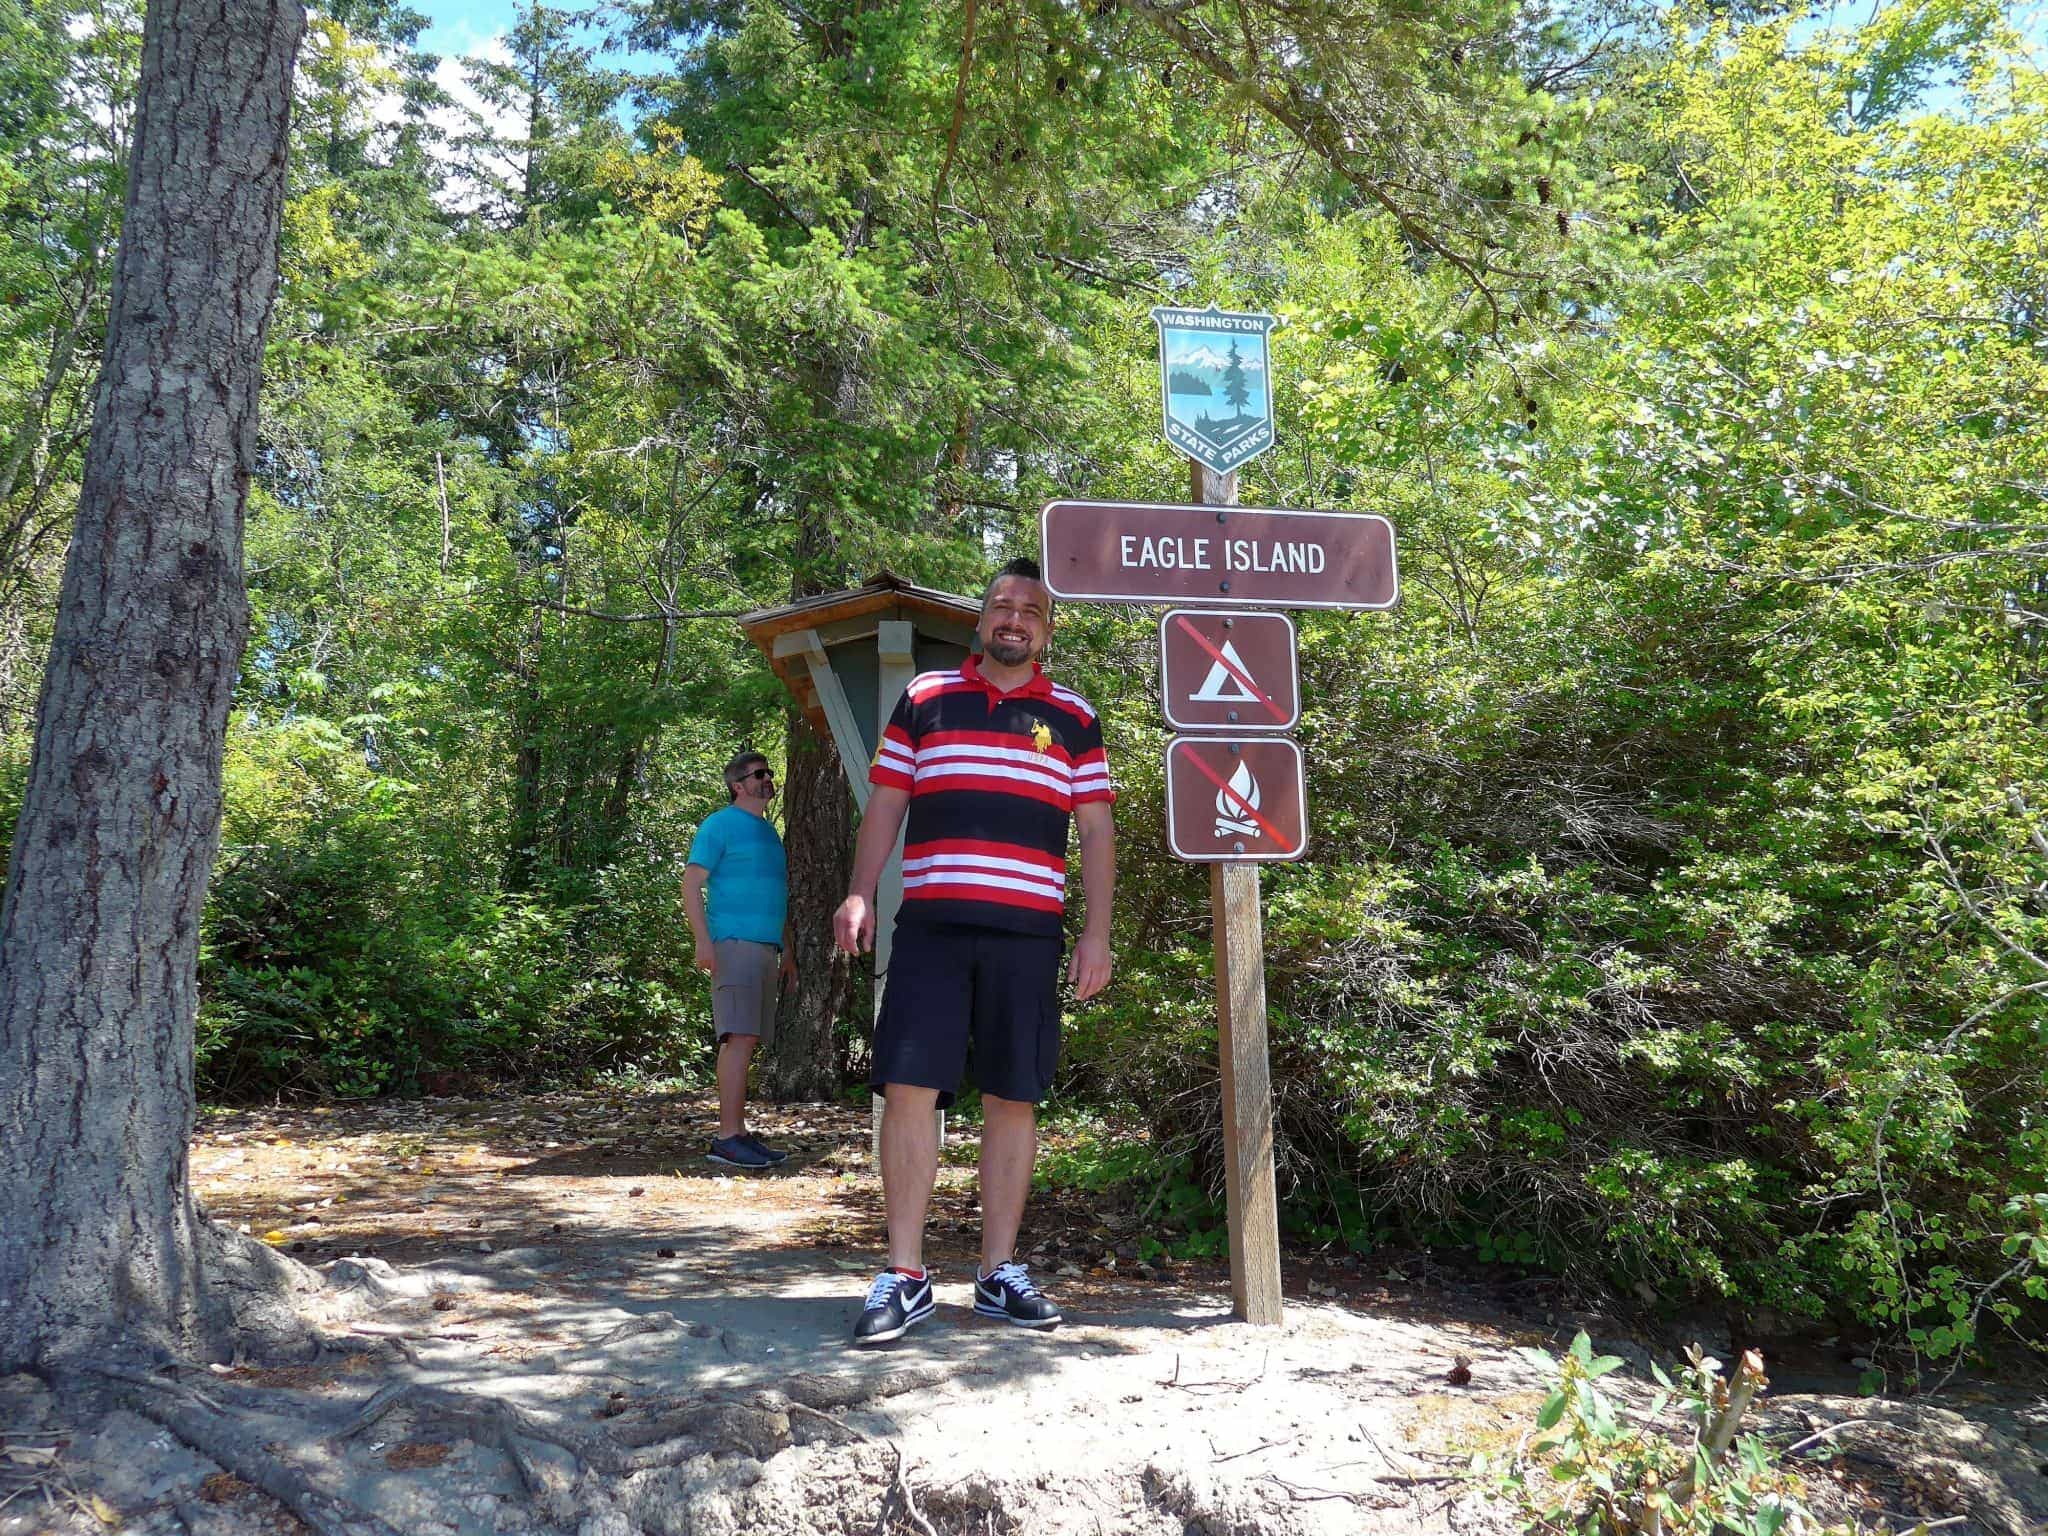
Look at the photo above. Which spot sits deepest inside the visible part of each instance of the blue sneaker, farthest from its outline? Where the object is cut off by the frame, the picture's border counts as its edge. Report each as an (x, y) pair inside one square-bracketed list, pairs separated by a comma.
[(737, 1152), (775, 1156)]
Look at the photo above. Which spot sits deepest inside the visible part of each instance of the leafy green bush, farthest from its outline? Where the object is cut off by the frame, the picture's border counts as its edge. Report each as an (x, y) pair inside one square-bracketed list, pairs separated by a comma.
[(1592, 1467), (342, 956)]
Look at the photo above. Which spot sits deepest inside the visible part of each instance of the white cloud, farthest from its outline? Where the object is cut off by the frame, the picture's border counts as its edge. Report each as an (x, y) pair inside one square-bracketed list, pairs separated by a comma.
[(468, 115)]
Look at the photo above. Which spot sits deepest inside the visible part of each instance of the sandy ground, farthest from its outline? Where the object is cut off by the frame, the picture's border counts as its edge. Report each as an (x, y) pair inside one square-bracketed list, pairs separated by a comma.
[(574, 1257)]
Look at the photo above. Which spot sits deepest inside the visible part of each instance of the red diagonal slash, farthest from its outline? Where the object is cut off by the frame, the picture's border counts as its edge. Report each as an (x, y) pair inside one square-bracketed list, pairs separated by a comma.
[(1210, 774), (1231, 667)]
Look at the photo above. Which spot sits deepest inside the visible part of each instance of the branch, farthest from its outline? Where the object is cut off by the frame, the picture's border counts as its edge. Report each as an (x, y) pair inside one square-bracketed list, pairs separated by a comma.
[(899, 1487), (2018, 1267), (959, 107), (1549, 77), (659, 616), (2018, 802), (1101, 276), (1317, 136), (768, 192), (1748, 1381), (1955, 883), (1810, 1441)]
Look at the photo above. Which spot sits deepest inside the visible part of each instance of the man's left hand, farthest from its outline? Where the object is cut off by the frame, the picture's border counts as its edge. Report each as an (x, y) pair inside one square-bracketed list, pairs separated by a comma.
[(788, 976), (1089, 968)]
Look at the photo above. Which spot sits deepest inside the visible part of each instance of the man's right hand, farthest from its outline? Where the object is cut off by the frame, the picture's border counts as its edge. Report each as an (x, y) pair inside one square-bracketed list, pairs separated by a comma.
[(853, 925), (705, 957)]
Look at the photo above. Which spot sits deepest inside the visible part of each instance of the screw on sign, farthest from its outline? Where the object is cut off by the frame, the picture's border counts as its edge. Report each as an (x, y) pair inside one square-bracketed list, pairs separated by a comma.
[(1223, 669), (1235, 799)]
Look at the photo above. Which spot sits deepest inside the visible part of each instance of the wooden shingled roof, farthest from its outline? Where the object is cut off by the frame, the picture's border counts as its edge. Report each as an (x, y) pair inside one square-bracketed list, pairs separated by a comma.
[(850, 614)]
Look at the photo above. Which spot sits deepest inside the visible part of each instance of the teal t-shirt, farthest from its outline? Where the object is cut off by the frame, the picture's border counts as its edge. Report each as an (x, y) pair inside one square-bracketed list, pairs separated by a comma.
[(747, 896)]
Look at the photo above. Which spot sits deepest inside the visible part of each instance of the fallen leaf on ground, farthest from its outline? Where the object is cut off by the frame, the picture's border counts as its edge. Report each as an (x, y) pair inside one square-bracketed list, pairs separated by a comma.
[(222, 1487), (416, 1453)]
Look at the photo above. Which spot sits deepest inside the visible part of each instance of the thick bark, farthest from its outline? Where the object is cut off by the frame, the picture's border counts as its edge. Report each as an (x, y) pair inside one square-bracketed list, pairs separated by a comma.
[(100, 1242), (818, 834), (817, 827)]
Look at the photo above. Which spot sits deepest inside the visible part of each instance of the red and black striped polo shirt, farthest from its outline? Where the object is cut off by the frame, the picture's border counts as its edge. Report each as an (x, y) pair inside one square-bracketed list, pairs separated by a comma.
[(993, 780)]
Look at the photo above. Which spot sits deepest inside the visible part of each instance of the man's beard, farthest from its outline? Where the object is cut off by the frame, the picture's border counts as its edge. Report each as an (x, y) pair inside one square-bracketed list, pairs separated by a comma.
[(1011, 653)]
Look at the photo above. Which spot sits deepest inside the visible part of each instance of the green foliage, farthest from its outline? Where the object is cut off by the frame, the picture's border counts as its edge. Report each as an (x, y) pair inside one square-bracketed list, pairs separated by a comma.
[(1673, 911), (1673, 903), (342, 958), (1180, 1215), (1594, 1467)]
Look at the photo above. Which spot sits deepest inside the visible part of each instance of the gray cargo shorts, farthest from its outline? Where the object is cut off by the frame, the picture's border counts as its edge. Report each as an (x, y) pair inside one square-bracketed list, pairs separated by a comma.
[(744, 981)]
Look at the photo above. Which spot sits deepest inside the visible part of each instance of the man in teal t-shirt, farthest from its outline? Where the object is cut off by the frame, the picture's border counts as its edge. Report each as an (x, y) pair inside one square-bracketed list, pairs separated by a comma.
[(744, 942)]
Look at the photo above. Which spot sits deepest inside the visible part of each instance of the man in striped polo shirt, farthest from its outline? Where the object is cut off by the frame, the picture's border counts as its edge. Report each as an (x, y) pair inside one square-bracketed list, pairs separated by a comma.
[(990, 762)]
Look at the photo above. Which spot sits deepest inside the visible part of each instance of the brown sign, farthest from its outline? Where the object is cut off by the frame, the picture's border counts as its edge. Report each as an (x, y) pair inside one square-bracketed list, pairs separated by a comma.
[(1258, 556), (1235, 798), (1226, 670)]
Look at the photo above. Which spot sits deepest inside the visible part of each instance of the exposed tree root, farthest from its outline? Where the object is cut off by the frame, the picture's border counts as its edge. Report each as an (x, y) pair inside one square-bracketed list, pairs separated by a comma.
[(356, 1287), (1954, 1462), (261, 1300), (754, 1425), (731, 1428), (899, 1493), (833, 1429), (760, 1422), (651, 1322), (202, 1424), (848, 1391)]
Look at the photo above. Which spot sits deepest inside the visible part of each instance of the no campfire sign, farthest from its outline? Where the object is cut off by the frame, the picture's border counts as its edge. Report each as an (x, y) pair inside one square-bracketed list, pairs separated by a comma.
[(1236, 799)]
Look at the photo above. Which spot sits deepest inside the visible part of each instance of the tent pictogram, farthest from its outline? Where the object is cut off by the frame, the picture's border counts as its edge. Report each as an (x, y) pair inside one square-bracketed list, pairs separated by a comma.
[(1225, 669), (1228, 681)]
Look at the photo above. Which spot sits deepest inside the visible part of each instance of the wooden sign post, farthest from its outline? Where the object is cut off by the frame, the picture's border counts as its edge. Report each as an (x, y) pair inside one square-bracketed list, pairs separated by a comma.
[(1251, 1202), (1236, 794)]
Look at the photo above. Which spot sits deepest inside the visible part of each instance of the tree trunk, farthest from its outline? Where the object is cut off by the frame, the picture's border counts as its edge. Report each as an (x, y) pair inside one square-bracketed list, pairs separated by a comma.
[(818, 834), (100, 1241), (522, 858), (817, 820), (632, 763)]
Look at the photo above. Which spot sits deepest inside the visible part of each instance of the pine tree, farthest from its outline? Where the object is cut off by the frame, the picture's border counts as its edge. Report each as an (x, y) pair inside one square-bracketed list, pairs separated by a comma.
[(1235, 390)]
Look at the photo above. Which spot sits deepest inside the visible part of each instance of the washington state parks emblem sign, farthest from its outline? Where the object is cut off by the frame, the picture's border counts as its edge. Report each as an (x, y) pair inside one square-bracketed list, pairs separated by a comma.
[(1215, 384)]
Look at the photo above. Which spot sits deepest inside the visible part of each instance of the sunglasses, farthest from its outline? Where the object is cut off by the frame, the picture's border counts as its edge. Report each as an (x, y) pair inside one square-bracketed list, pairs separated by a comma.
[(758, 773)]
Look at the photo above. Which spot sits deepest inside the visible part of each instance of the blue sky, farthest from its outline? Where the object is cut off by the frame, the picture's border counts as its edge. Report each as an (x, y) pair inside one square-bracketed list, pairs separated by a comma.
[(462, 27), (458, 28)]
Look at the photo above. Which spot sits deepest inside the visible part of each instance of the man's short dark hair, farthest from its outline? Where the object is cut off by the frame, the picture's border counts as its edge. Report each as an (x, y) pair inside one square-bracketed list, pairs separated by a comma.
[(738, 769), (1023, 566)]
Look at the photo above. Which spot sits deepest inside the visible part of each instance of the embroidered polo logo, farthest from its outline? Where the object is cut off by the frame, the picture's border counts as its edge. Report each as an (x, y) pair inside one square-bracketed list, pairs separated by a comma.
[(1041, 736)]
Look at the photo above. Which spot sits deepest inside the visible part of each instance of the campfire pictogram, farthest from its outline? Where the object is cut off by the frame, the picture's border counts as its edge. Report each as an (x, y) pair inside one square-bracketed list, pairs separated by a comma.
[(1235, 804)]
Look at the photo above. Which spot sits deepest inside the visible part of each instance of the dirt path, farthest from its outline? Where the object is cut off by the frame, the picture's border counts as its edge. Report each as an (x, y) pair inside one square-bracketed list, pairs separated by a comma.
[(574, 1259)]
